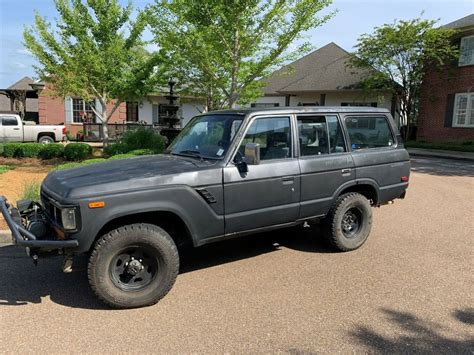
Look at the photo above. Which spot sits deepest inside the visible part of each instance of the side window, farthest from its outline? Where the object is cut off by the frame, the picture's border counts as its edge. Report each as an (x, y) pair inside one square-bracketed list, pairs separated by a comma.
[(9, 121), (320, 135), (369, 132), (273, 135)]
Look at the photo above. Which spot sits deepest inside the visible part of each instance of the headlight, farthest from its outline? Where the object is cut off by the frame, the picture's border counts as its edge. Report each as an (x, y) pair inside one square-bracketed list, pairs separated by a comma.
[(68, 217)]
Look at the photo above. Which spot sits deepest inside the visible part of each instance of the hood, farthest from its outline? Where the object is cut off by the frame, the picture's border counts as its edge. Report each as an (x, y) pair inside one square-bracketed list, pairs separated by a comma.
[(124, 175)]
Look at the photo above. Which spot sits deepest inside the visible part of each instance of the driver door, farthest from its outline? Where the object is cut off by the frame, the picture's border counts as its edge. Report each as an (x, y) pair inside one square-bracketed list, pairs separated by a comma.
[(10, 129), (268, 194)]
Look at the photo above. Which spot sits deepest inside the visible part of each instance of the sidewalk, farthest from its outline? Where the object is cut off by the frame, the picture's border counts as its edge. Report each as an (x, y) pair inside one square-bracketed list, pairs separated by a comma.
[(438, 153), (5, 237)]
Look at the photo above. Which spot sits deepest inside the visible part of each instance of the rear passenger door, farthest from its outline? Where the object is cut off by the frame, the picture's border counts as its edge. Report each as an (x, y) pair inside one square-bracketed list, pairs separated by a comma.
[(325, 162), (375, 152)]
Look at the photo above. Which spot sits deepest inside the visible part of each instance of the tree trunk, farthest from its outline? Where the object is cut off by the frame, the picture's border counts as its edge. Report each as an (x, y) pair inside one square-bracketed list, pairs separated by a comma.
[(105, 132)]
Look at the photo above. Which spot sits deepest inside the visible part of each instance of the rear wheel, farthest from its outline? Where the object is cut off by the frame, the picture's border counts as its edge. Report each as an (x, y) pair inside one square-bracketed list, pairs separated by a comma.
[(46, 140), (133, 266), (349, 222)]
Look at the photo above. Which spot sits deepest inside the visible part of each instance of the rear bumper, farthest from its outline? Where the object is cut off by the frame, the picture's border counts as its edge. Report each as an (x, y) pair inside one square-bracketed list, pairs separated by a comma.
[(24, 238)]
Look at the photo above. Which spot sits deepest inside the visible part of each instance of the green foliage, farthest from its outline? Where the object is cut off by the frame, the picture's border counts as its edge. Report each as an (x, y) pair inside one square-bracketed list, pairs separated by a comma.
[(11, 150), (31, 191), (397, 55), (50, 151), (102, 160), (467, 146), (222, 50), (5, 168), (94, 50), (142, 152), (144, 140), (122, 156), (77, 151), (22, 150)]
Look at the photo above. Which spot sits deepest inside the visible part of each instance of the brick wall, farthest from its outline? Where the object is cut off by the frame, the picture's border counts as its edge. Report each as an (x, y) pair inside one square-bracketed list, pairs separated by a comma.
[(434, 101), (51, 111)]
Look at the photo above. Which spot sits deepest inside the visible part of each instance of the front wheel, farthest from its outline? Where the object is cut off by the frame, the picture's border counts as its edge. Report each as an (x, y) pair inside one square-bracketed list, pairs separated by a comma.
[(349, 222), (133, 266)]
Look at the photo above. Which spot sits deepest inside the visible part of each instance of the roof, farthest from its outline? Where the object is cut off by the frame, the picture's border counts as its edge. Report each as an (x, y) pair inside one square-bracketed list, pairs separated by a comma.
[(324, 69), (305, 109), (467, 21), (22, 84)]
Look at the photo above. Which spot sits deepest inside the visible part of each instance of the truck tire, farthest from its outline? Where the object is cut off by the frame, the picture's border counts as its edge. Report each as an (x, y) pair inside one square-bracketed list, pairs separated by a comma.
[(133, 266), (45, 140), (349, 221)]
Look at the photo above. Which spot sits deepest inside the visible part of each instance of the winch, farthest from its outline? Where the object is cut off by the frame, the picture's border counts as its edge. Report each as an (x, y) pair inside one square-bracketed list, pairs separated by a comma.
[(33, 218)]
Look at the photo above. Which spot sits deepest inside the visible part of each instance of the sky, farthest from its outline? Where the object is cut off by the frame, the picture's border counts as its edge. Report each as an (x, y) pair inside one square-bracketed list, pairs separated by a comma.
[(353, 18)]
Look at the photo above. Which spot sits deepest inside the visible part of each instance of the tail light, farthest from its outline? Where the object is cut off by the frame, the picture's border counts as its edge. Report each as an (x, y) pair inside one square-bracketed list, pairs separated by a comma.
[(404, 178), (64, 130)]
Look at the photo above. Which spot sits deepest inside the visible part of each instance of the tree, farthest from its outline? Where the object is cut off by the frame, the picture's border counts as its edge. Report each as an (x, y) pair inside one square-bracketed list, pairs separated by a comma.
[(222, 49), (95, 51), (397, 56)]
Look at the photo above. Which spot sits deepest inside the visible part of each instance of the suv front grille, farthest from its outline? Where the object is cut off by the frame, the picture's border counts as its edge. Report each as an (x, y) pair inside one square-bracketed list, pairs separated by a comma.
[(52, 211)]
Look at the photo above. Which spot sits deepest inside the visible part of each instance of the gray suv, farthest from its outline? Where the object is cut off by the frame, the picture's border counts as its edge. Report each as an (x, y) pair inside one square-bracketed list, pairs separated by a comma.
[(227, 174)]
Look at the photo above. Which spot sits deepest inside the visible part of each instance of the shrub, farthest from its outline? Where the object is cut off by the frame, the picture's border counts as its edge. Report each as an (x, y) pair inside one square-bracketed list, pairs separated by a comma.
[(115, 148), (5, 168), (11, 150), (50, 151), (142, 139), (77, 151)]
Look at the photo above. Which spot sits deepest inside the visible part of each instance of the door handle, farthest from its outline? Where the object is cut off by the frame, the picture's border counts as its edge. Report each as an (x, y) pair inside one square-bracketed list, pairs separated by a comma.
[(345, 171), (287, 180), (16, 129)]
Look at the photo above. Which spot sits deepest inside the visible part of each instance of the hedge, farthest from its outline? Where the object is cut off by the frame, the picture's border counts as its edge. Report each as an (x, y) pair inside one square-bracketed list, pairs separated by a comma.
[(77, 151), (50, 151), (22, 150), (141, 140)]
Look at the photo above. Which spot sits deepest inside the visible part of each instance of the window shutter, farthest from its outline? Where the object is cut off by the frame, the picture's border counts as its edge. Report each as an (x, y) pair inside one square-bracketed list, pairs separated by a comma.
[(155, 114), (448, 117), (68, 110)]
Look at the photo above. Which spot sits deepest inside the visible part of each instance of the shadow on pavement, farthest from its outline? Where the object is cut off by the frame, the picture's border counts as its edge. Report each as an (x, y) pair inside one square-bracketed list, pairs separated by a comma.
[(22, 282), (442, 167), (418, 336)]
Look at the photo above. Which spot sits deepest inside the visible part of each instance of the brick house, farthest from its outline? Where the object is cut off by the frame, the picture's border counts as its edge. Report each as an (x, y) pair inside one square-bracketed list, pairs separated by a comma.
[(73, 110), (447, 97), (322, 78)]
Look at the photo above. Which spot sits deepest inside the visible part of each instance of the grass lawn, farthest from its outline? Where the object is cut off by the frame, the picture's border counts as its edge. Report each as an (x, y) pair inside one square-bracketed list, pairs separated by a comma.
[(5, 168), (454, 146)]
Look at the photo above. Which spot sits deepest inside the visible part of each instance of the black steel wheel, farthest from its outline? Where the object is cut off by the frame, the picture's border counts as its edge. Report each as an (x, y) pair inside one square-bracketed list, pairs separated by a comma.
[(133, 266), (349, 222)]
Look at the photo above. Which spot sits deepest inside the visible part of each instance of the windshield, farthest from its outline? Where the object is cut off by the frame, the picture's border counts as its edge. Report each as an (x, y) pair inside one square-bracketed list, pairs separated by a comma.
[(207, 136)]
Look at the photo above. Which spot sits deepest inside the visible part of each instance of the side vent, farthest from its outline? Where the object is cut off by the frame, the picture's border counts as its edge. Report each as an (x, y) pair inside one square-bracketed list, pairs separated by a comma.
[(206, 195)]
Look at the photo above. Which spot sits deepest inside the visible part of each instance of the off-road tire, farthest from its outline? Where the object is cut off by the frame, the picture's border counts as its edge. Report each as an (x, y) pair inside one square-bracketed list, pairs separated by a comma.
[(156, 241), (333, 224)]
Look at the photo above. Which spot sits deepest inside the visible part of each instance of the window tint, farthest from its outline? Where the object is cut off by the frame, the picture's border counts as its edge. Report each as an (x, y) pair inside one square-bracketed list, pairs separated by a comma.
[(320, 135), (273, 135), (9, 121), (369, 132)]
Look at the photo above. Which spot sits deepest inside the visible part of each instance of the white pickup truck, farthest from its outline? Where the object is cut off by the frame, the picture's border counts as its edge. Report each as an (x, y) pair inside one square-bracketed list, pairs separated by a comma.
[(13, 129)]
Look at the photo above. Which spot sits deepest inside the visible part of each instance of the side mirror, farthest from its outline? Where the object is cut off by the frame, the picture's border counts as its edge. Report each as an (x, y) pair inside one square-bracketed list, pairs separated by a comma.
[(252, 153)]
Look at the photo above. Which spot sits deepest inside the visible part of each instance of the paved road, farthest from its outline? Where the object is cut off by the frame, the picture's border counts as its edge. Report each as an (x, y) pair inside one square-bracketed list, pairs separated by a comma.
[(410, 288)]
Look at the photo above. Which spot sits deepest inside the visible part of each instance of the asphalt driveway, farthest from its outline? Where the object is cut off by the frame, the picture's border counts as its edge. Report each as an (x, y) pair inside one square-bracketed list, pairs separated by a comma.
[(410, 288)]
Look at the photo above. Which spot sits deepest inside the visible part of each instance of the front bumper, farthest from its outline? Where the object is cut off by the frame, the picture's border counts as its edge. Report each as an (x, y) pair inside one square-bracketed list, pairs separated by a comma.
[(24, 238)]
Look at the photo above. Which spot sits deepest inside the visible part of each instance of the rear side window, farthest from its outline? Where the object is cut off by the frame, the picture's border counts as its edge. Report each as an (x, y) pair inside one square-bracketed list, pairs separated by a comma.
[(320, 135), (369, 132), (9, 121)]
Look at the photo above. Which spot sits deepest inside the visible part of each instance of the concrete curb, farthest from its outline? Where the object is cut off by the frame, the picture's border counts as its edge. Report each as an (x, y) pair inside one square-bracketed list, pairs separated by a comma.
[(466, 156)]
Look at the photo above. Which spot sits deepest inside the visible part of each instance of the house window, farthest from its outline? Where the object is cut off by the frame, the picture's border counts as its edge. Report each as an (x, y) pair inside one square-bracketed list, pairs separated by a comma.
[(463, 110), (82, 111), (466, 51), (132, 111), (264, 104), (359, 104)]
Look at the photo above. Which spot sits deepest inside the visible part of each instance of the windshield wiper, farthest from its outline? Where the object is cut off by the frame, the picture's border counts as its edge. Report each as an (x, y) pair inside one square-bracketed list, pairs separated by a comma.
[(193, 154)]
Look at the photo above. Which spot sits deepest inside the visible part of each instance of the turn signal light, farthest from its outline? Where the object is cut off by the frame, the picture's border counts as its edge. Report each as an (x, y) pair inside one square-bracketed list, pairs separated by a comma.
[(96, 204), (404, 178)]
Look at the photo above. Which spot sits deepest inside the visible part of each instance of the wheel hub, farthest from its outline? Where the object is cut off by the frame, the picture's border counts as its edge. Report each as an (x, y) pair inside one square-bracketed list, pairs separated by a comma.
[(134, 267), (351, 222)]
